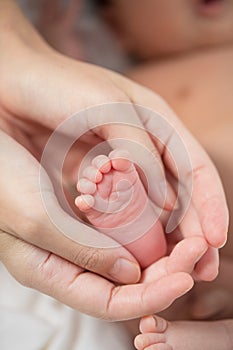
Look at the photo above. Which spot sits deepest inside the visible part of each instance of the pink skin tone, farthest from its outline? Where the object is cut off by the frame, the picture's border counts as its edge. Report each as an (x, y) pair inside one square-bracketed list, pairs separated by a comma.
[(114, 183), (158, 334)]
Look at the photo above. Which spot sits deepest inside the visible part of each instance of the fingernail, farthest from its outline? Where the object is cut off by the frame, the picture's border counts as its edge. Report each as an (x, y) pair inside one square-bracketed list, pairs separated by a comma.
[(125, 271)]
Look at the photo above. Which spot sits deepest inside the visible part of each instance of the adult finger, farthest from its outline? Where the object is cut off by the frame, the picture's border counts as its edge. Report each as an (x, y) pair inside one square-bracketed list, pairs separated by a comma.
[(207, 268), (86, 291), (183, 258)]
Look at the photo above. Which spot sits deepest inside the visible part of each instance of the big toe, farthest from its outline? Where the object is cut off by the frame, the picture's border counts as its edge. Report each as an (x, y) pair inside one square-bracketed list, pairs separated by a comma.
[(120, 160), (150, 324)]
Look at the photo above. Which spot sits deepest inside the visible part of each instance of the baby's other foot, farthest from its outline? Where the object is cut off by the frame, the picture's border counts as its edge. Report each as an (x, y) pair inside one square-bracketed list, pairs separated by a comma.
[(114, 200), (158, 334)]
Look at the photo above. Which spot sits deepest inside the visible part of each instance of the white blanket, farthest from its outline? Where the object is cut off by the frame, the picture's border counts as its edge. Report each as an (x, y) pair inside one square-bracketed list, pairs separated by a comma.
[(32, 321)]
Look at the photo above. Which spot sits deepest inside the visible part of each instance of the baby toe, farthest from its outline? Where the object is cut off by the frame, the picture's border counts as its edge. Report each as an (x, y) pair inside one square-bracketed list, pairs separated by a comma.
[(86, 186), (84, 202), (153, 324), (120, 160), (143, 341), (93, 174), (102, 163)]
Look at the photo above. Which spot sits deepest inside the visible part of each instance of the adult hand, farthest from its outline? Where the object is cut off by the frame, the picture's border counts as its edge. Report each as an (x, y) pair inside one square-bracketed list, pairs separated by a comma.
[(162, 283), (26, 218), (61, 278), (38, 91)]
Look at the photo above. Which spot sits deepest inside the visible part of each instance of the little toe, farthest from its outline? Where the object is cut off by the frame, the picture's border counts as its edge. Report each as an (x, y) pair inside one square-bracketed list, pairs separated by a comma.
[(153, 324), (142, 341), (102, 163), (86, 186), (93, 174), (120, 160), (84, 202)]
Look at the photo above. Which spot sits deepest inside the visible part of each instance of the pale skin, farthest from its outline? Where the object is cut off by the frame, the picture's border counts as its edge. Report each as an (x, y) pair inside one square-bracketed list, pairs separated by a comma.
[(26, 249)]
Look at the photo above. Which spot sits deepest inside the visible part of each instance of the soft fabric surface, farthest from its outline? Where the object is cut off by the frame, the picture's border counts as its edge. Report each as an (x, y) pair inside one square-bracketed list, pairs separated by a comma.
[(32, 321)]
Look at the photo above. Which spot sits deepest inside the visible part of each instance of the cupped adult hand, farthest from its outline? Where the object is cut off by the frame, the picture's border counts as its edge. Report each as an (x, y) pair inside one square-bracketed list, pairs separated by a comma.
[(39, 89), (45, 271), (53, 274)]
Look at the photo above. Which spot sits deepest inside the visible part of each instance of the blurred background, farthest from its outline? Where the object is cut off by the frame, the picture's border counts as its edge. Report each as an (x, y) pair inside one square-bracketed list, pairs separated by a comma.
[(75, 28)]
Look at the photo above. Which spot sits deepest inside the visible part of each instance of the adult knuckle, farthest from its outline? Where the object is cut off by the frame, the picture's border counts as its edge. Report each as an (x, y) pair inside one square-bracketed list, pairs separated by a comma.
[(108, 313), (88, 258)]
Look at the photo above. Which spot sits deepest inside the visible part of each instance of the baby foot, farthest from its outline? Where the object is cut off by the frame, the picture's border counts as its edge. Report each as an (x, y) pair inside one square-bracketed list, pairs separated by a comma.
[(116, 203), (158, 334)]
